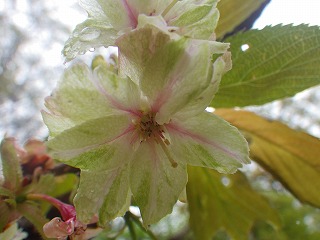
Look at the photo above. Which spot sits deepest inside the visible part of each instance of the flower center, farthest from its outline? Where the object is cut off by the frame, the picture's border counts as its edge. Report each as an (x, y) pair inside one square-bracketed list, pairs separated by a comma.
[(150, 129)]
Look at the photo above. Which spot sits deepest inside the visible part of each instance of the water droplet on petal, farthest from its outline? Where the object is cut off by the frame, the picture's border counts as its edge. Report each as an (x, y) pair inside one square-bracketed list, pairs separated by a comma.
[(89, 34)]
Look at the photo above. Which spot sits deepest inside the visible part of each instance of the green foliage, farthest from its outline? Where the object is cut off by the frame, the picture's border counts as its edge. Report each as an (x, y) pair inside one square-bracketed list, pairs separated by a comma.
[(291, 156), (234, 12), (280, 62), (224, 202), (298, 221)]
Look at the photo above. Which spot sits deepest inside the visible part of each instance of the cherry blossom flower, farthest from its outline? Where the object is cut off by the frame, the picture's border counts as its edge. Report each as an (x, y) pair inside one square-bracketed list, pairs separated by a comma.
[(109, 19), (133, 135)]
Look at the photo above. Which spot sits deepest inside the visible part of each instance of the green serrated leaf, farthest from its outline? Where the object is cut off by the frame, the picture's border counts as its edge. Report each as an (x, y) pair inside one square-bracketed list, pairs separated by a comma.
[(280, 61), (291, 156), (224, 202), (234, 12)]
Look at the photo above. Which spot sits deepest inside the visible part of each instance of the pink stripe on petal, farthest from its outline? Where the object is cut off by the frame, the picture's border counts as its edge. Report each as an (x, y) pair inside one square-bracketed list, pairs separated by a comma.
[(175, 78), (163, 96), (113, 101), (132, 16), (187, 133), (126, 131)]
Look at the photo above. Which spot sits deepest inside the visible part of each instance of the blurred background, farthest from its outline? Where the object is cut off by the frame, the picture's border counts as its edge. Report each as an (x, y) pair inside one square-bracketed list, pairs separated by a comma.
[(32, 34)]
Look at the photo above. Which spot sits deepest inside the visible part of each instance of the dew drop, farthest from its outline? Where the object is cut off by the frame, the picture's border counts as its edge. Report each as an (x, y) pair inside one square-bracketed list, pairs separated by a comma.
[(89, 34)]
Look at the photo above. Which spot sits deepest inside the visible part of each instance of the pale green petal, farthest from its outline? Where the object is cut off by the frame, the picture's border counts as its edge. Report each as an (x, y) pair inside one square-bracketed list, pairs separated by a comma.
[(121, 14), (154, 183), (176, 75), (74, 101), (207, 140), (89, 135), (220, 66), (56, 123), (102, 191), (118, 199), (149, 7), (96, 31), (195, 19), (93, 9), (157, 21), (184, 6), (136, 48), (87, 36), (98, 158), (121, 93)]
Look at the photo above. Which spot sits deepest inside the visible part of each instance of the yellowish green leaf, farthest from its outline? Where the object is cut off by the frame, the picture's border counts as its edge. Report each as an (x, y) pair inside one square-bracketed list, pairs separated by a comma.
[(224, 202), (293, 157), (234, 12)]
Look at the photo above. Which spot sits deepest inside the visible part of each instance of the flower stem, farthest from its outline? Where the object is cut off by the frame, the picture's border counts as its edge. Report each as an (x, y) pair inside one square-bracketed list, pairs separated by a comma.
[(130, 226), (139, 224), (67, 211)]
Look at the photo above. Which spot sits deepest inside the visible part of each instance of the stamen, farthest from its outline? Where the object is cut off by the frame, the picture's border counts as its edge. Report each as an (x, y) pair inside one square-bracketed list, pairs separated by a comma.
[(150, 130), (169, 7), (165, 149), (166, 141)]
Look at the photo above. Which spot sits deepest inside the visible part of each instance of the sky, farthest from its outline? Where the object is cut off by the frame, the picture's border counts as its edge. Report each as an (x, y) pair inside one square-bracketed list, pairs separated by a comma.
[(290, 11)]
